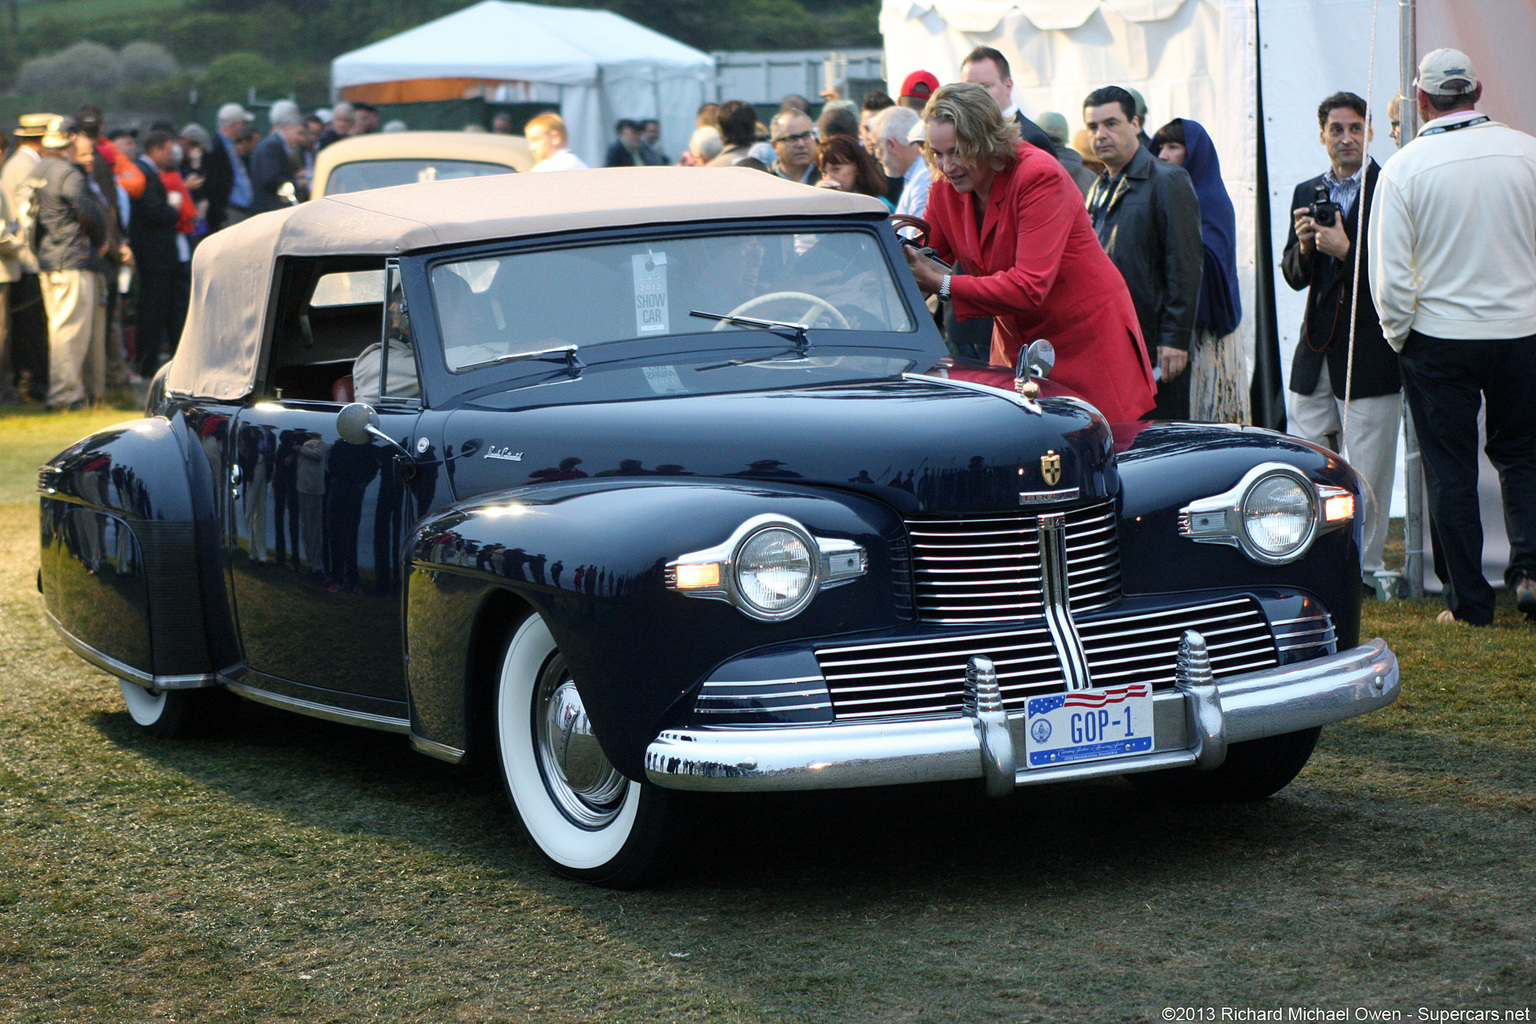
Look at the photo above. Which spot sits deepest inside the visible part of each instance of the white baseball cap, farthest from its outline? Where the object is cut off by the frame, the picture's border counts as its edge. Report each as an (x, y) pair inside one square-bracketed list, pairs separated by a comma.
[(1446, 72)]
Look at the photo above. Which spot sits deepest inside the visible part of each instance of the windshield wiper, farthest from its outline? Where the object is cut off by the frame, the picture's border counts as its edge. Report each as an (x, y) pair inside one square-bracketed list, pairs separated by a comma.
[(563, 354), (797, 333)]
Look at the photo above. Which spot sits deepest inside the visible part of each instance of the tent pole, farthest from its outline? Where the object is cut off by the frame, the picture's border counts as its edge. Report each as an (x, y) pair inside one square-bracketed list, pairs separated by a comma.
[(1413, 468), (1266, 395)]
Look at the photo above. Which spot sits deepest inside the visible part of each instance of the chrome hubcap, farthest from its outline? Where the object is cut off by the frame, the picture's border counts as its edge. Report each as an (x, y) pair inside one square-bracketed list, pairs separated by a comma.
[(586, 788)]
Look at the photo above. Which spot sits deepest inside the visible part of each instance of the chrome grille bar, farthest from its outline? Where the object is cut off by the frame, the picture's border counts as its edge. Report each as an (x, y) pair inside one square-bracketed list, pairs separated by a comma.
[(925, 676), (987, 568)]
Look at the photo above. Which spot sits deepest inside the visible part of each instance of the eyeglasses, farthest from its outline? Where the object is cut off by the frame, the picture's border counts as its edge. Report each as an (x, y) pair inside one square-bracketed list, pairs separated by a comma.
[(793, 138)]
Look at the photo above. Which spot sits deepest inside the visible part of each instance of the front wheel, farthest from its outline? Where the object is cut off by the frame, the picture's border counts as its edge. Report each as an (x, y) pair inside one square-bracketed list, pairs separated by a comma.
[(1252, 771), (178, 714), (586, 820)]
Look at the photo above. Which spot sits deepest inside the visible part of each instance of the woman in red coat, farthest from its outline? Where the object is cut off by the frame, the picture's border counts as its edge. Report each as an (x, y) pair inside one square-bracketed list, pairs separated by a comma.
[(1009, 213)]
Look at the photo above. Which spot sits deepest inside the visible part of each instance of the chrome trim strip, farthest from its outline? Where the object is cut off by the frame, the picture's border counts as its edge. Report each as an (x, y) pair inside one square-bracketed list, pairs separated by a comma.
[(384, 723), (1054, 585), (112, 667), (441, 751), (849, 755), (1027, 404)]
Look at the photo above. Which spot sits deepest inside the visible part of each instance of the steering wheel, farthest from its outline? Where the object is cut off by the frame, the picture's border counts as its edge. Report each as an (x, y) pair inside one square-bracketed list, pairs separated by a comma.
[(905, 220), (816, 303)]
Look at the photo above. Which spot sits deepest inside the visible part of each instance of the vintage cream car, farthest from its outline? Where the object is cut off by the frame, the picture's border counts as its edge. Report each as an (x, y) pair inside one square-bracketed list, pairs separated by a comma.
[(402, 158)]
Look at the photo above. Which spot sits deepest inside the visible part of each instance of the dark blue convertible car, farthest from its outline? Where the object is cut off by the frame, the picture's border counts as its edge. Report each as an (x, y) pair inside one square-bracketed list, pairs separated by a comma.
[(654, 480)]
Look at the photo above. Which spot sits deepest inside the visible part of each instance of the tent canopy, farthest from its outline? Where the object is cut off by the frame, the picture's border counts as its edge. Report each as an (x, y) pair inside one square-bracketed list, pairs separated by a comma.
[(595, 66)]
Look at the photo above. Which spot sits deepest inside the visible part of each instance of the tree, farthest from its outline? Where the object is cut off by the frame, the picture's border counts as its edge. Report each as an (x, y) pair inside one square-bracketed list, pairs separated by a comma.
[(147, 63)]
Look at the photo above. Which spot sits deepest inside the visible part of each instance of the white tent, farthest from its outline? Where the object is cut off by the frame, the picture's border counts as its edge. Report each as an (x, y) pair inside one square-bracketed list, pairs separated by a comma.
[(595, 66)]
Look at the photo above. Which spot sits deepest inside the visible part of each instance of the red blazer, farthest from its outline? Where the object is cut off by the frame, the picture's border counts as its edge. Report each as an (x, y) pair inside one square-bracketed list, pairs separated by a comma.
[(1038, 268)]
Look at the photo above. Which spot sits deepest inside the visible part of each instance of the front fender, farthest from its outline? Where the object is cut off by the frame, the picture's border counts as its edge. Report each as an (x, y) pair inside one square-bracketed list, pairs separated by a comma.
[(1168, 465), (589, 557)]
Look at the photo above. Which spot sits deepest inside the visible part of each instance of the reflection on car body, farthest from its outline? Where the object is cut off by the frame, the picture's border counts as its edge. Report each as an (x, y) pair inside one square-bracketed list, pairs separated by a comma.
[(624, 551)]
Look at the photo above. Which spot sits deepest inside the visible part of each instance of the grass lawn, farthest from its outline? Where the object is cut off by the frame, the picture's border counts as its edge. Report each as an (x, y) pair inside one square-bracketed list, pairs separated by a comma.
[(295, 870)]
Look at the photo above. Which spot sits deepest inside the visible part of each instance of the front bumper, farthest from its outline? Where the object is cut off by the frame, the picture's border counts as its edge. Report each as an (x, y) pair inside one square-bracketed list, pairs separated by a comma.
[(1193, 725)]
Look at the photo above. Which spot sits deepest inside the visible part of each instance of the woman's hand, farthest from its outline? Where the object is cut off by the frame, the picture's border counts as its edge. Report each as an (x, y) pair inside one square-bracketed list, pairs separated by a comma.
[(928, 273)]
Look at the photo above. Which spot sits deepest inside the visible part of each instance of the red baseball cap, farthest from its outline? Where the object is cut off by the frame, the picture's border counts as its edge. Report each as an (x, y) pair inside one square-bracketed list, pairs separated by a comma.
[(919, 85)]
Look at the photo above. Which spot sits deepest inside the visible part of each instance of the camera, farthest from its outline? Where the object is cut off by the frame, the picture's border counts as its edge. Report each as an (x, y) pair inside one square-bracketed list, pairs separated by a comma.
[(1323, 210)]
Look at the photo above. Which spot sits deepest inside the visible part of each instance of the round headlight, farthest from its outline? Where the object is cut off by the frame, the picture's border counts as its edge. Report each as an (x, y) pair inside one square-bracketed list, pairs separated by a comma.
[(1279, 516), (775, 572)]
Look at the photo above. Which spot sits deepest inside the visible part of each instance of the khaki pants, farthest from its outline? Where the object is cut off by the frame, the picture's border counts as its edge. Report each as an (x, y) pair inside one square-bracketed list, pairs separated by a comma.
[(77, 332)]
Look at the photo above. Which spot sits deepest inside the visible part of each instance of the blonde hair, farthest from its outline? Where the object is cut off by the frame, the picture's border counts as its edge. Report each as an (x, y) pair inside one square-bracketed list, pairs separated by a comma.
[(982, 134), (550, 121)]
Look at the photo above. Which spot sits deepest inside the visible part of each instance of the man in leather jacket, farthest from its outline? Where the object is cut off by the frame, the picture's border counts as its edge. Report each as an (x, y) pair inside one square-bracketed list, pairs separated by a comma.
[(1148, 220)]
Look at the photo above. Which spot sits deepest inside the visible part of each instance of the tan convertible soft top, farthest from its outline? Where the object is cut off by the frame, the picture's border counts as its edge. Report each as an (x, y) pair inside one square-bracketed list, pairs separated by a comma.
[(232, 269)]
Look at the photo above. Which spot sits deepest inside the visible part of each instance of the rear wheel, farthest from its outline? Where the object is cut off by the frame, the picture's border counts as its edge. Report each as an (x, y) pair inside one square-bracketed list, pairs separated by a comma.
[(178, 714), (1252, 771), (586, 820)]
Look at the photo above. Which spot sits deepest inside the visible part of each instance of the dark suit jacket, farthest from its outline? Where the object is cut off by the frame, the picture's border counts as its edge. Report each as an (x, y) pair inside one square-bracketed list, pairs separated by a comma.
[(271, 169), (1325, 329), (218, 182), (1033, 133), (152, 226), (1150, 226), (619, 156)]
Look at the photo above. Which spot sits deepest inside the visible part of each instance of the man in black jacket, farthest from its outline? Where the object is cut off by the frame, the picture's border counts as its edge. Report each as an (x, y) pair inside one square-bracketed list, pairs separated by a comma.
[(1320, 255), (152, 236), (228, 184), (988, 68), (1148, 220)]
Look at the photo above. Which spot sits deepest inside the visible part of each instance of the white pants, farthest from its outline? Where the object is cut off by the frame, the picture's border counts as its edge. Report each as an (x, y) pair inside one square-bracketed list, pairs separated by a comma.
[(77, 331), (1370, 445)]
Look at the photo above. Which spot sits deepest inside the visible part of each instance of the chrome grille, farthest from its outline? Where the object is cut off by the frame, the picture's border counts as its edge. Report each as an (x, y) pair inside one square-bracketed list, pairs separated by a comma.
[(926, 676), (987, 568), (1305, 632)]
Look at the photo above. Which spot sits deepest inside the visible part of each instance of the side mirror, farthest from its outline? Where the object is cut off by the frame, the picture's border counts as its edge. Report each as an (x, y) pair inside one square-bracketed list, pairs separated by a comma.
[(1037, 359), (359, 424)]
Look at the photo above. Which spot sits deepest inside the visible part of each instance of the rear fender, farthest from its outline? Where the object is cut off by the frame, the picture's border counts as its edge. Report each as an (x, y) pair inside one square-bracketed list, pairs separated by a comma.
[(120, 570)]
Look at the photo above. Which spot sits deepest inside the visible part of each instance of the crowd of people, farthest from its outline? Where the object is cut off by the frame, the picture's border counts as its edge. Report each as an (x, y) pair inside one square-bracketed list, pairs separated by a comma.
[(1117, 245), (97, 229)]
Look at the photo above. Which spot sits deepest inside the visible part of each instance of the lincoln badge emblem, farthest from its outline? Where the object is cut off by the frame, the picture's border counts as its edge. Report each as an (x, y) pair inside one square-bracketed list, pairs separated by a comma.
[(1050, 468)]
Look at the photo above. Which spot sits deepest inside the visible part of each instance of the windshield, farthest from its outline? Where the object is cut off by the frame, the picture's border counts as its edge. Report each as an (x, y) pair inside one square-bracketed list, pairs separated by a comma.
[(502, 307), (364, 175)]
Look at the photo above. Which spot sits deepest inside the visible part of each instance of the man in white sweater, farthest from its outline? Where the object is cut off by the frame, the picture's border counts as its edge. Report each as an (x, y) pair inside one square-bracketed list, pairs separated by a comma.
[(1453, 273)]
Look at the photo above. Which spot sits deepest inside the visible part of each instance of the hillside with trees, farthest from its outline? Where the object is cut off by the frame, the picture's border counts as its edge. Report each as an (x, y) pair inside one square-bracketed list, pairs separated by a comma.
[(164, 55)]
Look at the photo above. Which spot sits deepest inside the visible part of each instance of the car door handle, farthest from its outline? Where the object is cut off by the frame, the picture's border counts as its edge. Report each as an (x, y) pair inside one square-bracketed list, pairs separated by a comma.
[(235, 479)]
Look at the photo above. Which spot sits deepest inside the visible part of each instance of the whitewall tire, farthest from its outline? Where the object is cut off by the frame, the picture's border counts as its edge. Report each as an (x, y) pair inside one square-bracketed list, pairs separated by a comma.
[(585, 819), (175, 714)]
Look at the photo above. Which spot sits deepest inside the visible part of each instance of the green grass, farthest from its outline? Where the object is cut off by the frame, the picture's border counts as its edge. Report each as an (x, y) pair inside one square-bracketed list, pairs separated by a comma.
[(295, 870)]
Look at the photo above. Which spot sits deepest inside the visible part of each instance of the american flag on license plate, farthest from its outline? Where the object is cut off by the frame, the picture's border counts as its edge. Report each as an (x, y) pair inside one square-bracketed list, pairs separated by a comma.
[(1089, 698)]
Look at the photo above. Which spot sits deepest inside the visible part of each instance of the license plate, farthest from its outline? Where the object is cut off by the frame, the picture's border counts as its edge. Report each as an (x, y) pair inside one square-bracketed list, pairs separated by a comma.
[(1088, 725)]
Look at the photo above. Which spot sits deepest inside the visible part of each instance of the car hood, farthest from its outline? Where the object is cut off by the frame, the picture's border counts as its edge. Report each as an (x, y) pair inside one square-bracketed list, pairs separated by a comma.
[(921, 445)]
